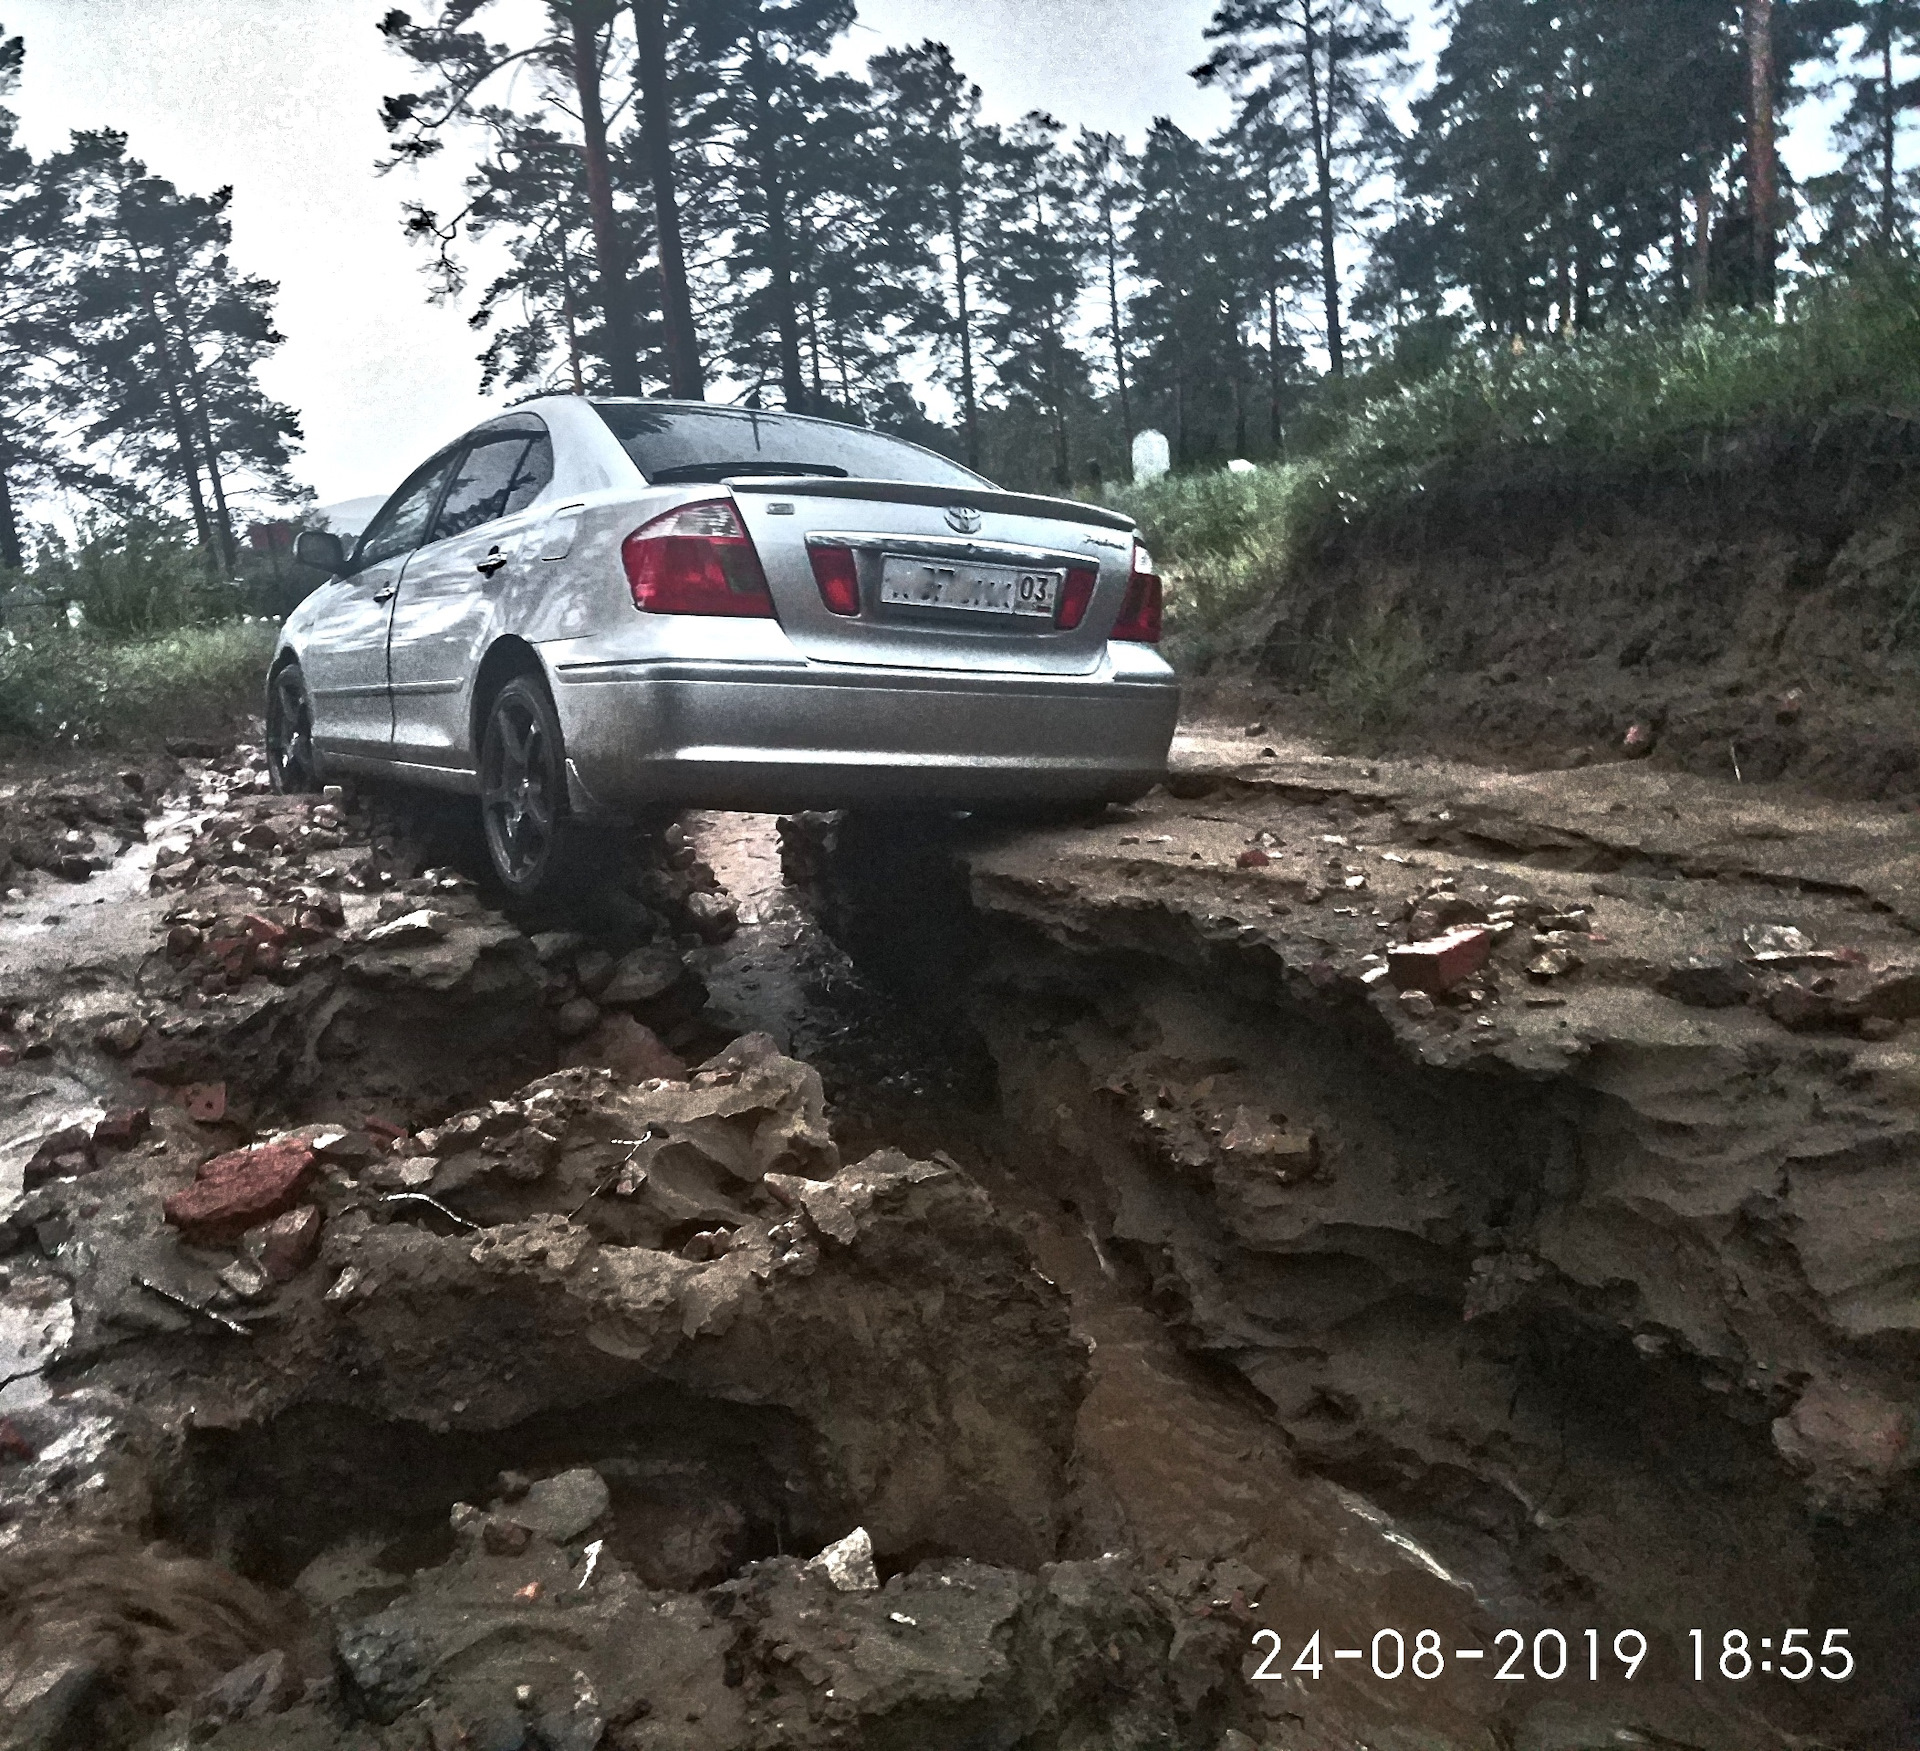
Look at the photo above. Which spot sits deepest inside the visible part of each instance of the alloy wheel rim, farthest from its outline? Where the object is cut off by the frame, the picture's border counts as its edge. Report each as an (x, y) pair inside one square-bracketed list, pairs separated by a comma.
[(518, 790)]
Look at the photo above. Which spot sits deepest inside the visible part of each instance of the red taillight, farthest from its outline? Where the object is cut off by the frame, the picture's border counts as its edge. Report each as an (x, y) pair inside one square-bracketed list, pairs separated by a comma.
[(839, 581), (1139, 621), (1075, 594), (696, 560)]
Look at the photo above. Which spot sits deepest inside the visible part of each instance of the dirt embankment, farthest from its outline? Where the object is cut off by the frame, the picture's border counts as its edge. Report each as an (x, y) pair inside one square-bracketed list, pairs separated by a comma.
[(1589, 1258), (1757, 610)]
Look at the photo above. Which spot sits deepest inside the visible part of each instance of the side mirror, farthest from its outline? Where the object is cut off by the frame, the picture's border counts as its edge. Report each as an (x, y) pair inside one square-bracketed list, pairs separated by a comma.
[(321, 549)]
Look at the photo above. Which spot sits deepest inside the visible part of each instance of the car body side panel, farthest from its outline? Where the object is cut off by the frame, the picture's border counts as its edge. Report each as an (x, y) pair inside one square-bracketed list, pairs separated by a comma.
[(341, 631), (446, 615)]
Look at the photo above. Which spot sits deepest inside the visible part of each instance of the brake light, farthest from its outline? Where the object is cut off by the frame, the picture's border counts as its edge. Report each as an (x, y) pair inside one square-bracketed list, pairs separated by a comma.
[(1075, 593), (839, 581), (696, 560), (1139, 621)]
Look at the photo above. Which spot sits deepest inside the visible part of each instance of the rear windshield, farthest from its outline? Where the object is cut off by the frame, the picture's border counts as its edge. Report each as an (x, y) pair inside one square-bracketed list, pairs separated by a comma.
[(679, 443)]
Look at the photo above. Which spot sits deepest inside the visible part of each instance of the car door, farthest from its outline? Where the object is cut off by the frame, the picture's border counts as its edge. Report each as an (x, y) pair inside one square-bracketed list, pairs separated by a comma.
[(445, 609), (344, 652)]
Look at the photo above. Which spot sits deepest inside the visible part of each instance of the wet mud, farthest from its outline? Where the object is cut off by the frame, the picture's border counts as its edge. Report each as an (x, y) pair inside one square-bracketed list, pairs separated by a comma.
[(870, 1281)]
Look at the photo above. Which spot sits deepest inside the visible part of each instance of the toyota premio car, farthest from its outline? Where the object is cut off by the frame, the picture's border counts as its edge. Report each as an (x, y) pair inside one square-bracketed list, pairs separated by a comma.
[(583, 608)]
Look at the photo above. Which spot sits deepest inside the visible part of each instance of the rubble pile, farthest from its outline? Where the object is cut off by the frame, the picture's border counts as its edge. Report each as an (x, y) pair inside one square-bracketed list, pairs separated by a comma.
[(524, 1428), (315, 946)]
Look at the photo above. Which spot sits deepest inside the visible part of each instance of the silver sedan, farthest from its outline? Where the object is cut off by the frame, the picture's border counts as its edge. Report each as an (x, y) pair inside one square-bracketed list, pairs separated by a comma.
[(585, 607)]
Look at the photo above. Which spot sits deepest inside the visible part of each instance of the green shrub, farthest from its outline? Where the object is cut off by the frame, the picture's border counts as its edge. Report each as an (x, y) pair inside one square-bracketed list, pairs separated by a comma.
[(77, 685), (134, 576)]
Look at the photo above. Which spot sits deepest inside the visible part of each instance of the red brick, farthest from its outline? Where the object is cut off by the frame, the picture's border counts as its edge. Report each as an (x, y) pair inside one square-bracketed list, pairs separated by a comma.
[(1440, 964), (241, 1190)]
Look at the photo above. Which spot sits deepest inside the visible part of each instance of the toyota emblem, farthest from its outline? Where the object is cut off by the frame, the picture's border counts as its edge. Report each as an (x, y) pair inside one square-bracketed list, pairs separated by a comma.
[(963, 519)]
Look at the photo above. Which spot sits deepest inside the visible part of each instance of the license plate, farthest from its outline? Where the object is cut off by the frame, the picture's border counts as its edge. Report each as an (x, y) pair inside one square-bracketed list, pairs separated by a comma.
[(979, 589)]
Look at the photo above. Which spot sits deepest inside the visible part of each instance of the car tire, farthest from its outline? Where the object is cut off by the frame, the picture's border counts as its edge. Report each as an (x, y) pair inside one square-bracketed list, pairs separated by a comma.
[(292, 763), (537, 850)]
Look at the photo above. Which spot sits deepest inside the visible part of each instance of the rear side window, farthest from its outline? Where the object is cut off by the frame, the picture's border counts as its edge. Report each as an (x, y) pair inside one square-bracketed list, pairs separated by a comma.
[(401, 523), (496, 477), (670, 443)]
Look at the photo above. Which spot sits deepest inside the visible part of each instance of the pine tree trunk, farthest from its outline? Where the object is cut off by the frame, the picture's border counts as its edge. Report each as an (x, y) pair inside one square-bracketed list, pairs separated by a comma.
[(1320, 120), (176, 409), (616, 288), (1119, 344), (773, 202), (10, 555), (963, 326), (1702, 237), (1762, 169), (685, 377), (1888, 118), (1273, 367)]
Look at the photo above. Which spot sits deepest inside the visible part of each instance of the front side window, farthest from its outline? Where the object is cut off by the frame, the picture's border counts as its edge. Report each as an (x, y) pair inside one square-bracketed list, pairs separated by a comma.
[(671, 443), (482, 483), (401, 524)]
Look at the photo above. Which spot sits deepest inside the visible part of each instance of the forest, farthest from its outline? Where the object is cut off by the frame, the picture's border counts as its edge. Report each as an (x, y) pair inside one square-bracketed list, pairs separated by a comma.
[(1576, 228)]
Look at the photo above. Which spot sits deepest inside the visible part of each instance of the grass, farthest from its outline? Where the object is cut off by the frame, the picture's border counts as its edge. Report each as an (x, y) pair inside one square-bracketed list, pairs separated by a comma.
[(78, 686), (1661, 395)]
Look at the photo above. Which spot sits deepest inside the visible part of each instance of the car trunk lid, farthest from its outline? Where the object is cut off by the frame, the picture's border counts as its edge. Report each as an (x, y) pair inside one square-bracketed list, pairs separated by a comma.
[(938, 577)]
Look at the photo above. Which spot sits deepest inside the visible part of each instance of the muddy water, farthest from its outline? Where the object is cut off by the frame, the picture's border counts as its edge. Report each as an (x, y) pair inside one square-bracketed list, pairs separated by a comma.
[(1178, 1463)]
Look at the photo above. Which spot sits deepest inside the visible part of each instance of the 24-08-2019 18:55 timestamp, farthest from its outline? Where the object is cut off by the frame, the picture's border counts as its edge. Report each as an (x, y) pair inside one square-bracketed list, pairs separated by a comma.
[(1551, 1656)]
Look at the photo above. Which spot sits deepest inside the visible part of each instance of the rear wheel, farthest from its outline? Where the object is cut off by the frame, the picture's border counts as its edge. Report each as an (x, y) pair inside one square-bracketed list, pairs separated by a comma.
[(535, 849), (291, 761)]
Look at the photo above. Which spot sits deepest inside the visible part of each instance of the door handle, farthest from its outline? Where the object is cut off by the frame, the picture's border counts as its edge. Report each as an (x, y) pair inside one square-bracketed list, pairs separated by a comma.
[(386, 592), (492, 563)]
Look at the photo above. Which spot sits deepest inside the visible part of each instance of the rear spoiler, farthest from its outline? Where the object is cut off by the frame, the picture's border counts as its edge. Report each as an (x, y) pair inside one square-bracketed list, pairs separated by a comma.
[(901, 492)]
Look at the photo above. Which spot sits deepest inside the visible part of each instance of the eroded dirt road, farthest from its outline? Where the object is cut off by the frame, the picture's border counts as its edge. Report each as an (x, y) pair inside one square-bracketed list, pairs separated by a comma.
[(493, 1319)]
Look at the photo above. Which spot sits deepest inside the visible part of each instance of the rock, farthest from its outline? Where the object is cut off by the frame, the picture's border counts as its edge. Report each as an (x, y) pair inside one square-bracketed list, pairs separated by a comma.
[(715, 916), (122, 1128), (240, 1190), (642, 975), (1417, 1004), (1789, 706), (286, 1245), (633, 1052), (410, 930), (1707, 982), (120, 1036), (848, 1563), (1892, 994), (245, 1278), (60, 1155), (1772, 940), (575, 1017), (1794, 1006), (1638, 742), (266, 1685), (1850, 1444), (1439, 965), (1553, 963), (552, 947), (592, 970), (1879, 1027), (1439, 913), (562, 1508), (1254, 857)]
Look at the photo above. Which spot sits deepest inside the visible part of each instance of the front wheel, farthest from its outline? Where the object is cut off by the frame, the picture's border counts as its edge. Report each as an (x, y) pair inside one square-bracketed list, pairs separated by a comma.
[(292, 764), (535, 850)]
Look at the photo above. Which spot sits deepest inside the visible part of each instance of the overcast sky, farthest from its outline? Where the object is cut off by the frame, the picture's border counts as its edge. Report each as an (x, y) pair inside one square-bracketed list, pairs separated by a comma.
[(280, 98)]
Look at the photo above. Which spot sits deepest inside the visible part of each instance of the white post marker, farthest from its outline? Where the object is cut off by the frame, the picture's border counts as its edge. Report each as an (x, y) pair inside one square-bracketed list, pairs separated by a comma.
[(1151, 456)]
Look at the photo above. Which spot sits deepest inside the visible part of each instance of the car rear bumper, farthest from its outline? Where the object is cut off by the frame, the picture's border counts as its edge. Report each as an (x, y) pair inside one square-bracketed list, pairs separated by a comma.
[(781, 736)]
